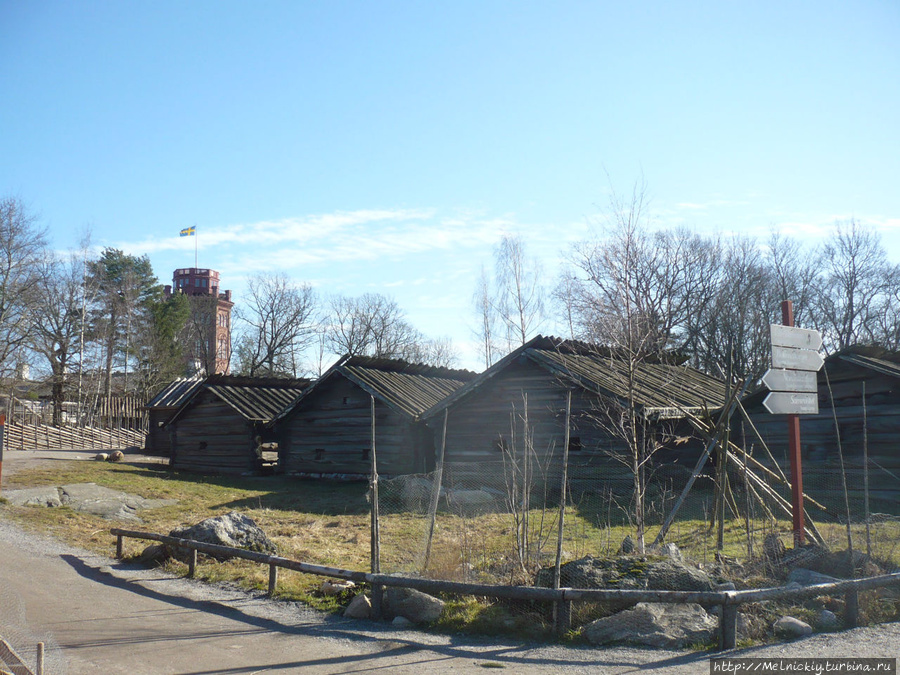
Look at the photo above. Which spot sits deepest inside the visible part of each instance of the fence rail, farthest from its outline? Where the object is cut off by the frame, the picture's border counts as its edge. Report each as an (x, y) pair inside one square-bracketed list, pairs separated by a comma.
[(563, 598)]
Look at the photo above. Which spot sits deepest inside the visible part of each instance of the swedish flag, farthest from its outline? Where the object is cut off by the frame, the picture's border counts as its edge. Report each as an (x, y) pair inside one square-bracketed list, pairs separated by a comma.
[(189, 232)]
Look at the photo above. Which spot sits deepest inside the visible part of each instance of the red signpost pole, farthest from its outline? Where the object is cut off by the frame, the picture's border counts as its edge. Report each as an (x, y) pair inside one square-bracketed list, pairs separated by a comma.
[(787, 318)]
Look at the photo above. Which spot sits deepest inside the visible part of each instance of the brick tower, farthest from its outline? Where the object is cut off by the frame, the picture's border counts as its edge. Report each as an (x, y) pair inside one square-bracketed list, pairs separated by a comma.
[(209, 348)]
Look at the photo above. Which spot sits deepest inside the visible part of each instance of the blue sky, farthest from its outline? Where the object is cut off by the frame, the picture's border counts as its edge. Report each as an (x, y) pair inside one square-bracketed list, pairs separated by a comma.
[(386, 146)]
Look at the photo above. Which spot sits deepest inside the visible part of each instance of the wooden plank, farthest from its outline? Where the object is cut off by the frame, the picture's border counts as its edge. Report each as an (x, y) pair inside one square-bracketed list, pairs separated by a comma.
[(797, 338), (796, 359)]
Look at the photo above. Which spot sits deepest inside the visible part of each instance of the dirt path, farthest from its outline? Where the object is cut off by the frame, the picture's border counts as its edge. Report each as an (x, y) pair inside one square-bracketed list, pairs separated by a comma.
[(100, 616)]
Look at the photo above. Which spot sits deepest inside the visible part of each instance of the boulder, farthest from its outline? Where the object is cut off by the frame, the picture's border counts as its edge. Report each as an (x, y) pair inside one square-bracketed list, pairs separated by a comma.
[(154, 555), (627, 546), (623, 572), (116, 456), (101, 456), (359, 608), (470, 501), (233, 529), (791, 627), (806, 577), (671, 626), (336, 586), (828, 620), (411, 604)]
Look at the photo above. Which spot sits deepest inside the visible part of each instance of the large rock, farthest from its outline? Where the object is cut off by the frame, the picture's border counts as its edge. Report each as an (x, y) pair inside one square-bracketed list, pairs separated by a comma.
[(233, 529), (624, 572), (791, 627), (655, 624), (411, 604), (87, 498), (806, 577), (359, 608)]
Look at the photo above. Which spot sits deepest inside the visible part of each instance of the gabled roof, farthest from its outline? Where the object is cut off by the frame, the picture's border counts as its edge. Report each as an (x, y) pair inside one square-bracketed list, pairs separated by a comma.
[(175, 393), (879, 365), (256, 399), (407, 388), (660, 387)]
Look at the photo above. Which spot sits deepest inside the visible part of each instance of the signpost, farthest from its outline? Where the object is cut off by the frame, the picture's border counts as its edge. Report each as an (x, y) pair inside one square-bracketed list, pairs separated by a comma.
[(793, 391), (790, 380), (792, 403)]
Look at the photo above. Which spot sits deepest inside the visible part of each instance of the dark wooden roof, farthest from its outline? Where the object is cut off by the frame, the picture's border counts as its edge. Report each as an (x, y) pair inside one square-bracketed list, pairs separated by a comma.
[(256, 399), (660, 387), (174, 394), (408, 388)]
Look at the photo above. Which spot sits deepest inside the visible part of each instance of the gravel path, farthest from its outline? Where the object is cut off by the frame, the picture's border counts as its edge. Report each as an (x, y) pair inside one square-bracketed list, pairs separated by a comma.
[(98, 615)]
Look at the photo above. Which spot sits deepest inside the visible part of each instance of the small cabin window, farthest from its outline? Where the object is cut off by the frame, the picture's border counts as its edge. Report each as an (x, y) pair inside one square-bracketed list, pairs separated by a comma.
[(319, 454), (346, 400), (575, 444)]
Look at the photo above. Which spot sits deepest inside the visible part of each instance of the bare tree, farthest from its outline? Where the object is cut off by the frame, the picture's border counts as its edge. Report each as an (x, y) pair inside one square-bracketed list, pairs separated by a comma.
[(278, 323), (619, 301), (56, 319), (520, 295), (486, 314), (372, 325), (854, 284), (22, 245)]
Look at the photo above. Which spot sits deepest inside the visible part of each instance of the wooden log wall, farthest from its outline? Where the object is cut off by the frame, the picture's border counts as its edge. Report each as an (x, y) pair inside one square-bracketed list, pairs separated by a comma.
[(492, 416), (210, 437), (331, 433), (821, 462)]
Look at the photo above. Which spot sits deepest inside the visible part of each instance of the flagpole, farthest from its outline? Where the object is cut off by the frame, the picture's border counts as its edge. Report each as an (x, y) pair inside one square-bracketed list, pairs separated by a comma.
[(195, 246)]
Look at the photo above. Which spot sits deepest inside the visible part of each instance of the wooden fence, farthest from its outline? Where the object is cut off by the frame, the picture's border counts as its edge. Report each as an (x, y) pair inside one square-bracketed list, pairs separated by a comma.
[(562, 598), (14, 662), (21, 436)]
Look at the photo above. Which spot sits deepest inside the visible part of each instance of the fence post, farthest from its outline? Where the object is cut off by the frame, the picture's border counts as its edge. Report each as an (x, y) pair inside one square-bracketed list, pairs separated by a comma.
[(851, 608), (273, 579), (119, 546), (377, 601), (728, 627), (562, 616), (192, 563)]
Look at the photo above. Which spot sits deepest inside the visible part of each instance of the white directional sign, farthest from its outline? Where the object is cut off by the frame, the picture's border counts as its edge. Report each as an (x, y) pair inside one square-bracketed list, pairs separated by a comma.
[(798, 338), (790, 403), (790, 380), (796, 359)]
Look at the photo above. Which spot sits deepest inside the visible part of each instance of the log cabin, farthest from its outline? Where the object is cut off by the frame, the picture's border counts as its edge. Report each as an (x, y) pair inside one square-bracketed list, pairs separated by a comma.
[(328, 430), (160, 410), (220, 428), (870, 422), (526, 391)]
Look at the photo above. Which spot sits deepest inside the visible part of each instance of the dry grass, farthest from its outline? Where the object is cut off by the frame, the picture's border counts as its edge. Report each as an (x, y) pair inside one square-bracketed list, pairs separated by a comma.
[(327, 523)]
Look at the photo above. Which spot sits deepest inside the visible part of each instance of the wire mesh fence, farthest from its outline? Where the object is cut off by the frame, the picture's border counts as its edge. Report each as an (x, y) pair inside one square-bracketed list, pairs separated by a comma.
[(486, 523)]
